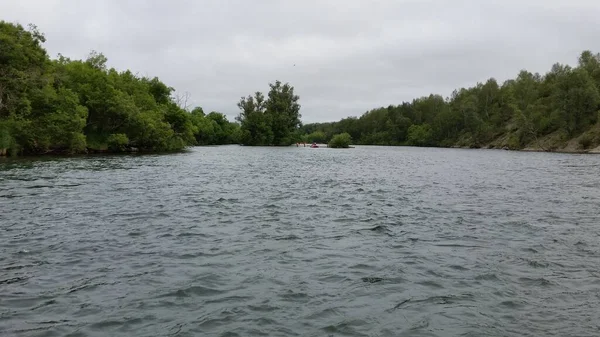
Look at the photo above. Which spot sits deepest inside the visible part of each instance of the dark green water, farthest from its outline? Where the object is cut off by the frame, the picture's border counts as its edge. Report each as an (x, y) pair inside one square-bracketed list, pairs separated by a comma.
[(240, 241)]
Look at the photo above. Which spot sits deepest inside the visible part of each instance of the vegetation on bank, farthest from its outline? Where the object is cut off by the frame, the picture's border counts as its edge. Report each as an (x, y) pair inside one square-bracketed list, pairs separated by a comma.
[(559, 110), (342, 140), (78, 106)]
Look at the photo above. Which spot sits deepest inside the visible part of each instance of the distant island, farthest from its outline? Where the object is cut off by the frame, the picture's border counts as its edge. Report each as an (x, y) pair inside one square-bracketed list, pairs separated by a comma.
[(64, 106)]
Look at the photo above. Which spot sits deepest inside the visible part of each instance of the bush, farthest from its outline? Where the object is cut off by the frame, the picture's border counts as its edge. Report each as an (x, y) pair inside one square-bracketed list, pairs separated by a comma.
[(341, 140), (117, 142), (420, 135), (514, 142), (6, 140), (77, 143), (586, 141)]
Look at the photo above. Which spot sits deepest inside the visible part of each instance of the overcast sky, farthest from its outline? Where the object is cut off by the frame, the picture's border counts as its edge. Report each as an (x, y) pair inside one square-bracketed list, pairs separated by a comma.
[(342, 56)]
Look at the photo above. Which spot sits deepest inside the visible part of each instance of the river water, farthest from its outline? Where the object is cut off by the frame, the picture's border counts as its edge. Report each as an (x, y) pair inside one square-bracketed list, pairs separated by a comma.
[(242, 241)]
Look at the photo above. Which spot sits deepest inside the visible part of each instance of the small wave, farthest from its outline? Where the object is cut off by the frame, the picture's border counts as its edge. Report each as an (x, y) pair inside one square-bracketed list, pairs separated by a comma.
[(232, 200), (346, 328), (291, 295), (53, 322), (372, 279), (102, 325), (13, 280), (431, 284), (456, 245), (194, 291), (399, 305), (487, 277), (47, 303), (191, 255), (362, 266), (536, 264), (189, 234), (381, 229), (511, 304), (287, 237), (38, 186), (263, 308), (422, 324), (85, 287), (230, 299), (230, 334), (22, 266), (536, 282), (326, 313)]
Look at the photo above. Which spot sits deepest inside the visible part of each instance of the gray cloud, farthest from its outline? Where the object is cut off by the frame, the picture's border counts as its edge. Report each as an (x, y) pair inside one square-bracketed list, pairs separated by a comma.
[(349, 55)]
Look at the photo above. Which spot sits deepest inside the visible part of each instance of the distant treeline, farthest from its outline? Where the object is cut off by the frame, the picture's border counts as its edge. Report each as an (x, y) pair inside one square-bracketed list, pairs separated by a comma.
[(77, 106), (529, 111)]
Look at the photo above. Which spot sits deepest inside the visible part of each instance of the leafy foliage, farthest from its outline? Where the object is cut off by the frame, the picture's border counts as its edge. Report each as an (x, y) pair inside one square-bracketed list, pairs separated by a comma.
[(341, 140), (75, 106), (118, 142), (271, 121), (514, 114)]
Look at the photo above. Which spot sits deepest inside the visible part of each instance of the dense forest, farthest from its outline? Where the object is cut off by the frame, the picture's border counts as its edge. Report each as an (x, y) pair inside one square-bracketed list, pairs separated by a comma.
[(79, 106), (557, 111)]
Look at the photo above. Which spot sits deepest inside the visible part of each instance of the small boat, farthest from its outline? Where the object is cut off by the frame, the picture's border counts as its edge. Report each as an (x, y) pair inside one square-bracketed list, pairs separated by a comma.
[(314, 145)]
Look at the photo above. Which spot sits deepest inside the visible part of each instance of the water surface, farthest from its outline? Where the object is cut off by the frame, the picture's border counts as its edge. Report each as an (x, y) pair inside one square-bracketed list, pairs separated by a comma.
[(242, 241)]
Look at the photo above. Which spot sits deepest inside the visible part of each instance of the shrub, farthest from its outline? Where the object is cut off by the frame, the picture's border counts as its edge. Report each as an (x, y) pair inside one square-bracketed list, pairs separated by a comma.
[(117, 142), (341, 140), (77, 143), (420, 135)]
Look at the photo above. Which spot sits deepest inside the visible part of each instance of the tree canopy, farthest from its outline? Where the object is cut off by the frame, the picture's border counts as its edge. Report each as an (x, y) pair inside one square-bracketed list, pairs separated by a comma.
[(76, 106), (271, 121), (530, 110)]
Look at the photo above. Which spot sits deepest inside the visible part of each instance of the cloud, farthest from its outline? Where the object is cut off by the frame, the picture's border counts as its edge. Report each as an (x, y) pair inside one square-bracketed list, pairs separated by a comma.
[(342, 57)]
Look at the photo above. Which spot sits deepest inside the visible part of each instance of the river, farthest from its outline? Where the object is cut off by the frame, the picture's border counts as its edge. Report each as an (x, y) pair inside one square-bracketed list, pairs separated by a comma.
[(243, 241)]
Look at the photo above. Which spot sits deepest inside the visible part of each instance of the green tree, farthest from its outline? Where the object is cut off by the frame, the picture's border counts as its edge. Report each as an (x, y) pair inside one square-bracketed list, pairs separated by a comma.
[(282, 112), (420, 135), (255, 124), (342, 140), (274, 121)]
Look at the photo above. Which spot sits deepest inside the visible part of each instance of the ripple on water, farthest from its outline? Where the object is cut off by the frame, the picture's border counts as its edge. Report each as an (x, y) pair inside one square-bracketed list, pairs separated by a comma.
[(261, 241)]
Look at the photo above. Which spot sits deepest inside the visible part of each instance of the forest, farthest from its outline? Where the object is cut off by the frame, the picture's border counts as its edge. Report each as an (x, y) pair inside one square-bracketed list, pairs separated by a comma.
[(82, 106), (552, 112), (64, 106)]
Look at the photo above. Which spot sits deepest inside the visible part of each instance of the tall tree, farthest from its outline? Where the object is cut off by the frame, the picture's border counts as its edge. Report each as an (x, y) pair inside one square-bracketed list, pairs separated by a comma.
[(283, 112)]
